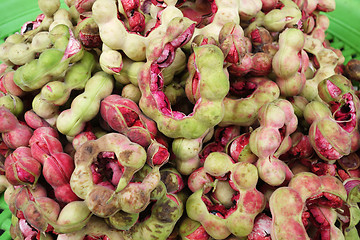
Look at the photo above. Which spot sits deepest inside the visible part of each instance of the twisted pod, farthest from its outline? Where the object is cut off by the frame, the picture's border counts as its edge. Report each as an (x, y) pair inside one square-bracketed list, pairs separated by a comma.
[(104, 201), (207, 80)]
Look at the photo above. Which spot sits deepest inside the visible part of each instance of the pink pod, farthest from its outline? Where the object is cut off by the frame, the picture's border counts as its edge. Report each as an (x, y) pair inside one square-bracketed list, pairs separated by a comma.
[(21, 168), (14, 133)]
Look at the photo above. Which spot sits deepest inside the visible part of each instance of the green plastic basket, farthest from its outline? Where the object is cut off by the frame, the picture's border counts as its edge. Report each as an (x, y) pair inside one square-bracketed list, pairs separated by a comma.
[(344, 29), (12, 19), (343, 34), (5, 220)]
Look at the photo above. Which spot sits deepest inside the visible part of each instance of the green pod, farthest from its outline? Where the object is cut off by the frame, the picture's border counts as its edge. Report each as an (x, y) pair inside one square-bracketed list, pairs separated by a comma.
[(316, 110), (122, 220), (7, 45), (49, 7), (334, 87), (52, 63), (240, 221), (327, 59), (129, 72), (44, 108), (21, 53), (165, 213), (290, 62), (13, 103), (243, 111), (187, 152), (86, 105), (329, 140), (68, 222), (208, 112), (96, 227), (76, 77), (288, 16)]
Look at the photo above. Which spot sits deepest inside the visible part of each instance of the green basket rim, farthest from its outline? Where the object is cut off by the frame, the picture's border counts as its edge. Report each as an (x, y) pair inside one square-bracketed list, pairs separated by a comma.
[(335, 24)]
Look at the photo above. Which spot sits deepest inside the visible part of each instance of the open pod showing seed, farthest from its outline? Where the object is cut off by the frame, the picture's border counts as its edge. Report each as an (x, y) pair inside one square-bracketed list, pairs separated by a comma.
[(44, 214), (125, 158), (318, 196), (246, 98), (124, 116), (245, 201), (207, 79)]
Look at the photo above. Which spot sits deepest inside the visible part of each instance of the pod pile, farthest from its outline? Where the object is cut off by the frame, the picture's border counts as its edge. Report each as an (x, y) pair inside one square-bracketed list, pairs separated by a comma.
[(174, 119)]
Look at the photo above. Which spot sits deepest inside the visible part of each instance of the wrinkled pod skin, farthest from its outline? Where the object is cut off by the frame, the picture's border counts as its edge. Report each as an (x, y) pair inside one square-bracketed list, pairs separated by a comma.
[(287, 218), (208, 110), (239, 54), (44, 213), (165, 212), (268, 143), (124, 116), (240, 217), (103, 201)]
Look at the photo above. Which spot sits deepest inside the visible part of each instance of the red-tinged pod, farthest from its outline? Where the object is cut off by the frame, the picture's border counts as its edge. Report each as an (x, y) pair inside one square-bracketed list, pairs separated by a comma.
[(157, 154), (124, 116), (82, 138), (192, 230), (301, 147), (57, 165), (322, 168), (8, 86), (224, 135), (172, 179), (34, 121), (329, 140), (83, 5), (262, 228), (21, 168), (44, 142), (14, 133), (87, 32), (200, 179), (239, 149)]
